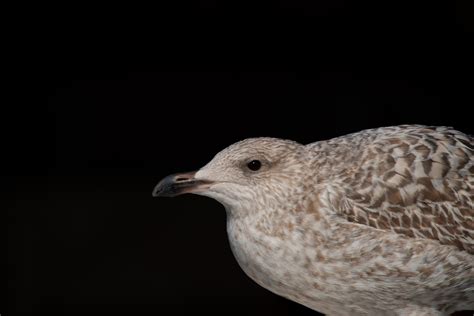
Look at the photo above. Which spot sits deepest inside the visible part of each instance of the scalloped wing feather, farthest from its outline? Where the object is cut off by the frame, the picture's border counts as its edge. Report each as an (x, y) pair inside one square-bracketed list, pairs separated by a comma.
[(413, 180)]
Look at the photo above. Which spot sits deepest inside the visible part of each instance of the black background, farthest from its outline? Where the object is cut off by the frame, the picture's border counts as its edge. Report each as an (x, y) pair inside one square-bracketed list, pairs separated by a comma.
[(134, 94)]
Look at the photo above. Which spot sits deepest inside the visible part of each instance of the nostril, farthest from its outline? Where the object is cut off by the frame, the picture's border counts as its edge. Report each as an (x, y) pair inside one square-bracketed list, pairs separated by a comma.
[(183, 177)]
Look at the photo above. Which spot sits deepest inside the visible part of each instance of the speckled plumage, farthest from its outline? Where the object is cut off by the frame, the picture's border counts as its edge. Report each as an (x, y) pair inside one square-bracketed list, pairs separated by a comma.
[(378, 222)]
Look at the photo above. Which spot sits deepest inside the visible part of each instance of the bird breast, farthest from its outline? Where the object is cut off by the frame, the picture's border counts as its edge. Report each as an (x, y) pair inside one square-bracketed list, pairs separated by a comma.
[(278, 261)]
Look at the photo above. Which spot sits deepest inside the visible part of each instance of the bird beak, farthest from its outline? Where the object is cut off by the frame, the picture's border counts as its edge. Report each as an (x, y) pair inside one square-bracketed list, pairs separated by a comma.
[(181, 183)]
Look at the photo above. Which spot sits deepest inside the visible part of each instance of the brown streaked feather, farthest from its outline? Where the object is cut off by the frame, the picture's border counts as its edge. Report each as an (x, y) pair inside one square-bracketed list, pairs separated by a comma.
[(414, 180)]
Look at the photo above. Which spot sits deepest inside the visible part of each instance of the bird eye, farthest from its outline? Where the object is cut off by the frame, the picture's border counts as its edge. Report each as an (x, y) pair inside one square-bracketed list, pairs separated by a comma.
[(254, 165)]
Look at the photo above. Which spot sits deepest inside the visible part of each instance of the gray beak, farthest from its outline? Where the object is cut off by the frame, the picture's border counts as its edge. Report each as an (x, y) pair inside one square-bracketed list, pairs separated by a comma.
[(180, 183)]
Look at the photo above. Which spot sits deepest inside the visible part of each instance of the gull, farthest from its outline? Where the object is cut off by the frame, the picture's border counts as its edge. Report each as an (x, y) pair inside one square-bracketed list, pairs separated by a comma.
[(378, 222)]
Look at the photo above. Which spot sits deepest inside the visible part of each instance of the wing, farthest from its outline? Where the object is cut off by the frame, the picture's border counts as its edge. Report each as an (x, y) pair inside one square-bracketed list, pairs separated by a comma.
[(414, 180)]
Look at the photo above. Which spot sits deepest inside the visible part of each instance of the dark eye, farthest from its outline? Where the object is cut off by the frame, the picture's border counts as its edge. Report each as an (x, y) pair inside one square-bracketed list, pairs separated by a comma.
[(254, 165)]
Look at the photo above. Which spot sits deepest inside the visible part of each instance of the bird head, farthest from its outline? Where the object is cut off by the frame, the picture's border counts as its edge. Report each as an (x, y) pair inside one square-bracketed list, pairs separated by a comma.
[(265, 170)]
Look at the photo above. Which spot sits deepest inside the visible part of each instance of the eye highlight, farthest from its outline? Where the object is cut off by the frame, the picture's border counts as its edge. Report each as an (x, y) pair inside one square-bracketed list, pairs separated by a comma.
[(254, 165)]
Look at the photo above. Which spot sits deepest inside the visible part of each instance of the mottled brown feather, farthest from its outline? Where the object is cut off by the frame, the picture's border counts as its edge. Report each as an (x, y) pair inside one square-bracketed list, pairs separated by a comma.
[(406, 179)]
